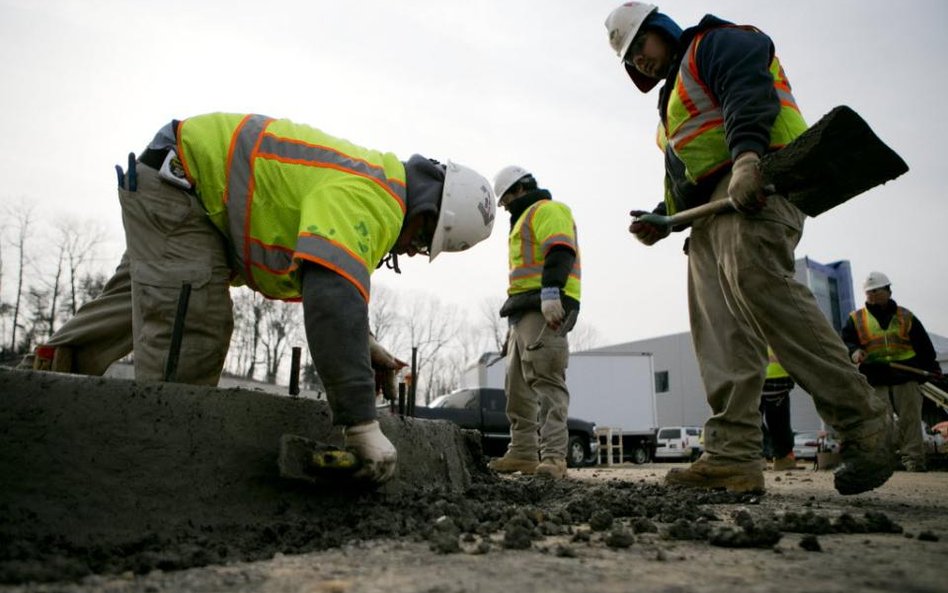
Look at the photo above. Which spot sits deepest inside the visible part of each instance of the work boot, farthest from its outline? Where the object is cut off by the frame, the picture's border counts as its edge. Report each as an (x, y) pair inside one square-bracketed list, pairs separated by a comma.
[(787, 463), (867, 462), (509, 465), (915, 466), (710, 475), (552, 468)]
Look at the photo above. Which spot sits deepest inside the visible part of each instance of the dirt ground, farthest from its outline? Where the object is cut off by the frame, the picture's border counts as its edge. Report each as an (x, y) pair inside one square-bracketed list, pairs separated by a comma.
[(604, 529)]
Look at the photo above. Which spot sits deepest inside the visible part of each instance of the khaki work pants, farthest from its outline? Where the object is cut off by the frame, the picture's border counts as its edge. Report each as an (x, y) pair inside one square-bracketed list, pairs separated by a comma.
[(742, 295), (905, 401), (169, 241), (537, 398)]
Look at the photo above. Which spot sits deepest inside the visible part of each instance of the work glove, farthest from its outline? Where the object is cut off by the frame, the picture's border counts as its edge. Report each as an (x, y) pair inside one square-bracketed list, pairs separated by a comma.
[(375, 452), (646, 232), (746, 188), (552, 306), (858, 355)]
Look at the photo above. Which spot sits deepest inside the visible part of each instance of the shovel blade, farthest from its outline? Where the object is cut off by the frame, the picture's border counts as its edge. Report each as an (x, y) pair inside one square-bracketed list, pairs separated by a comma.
[(834, 160)]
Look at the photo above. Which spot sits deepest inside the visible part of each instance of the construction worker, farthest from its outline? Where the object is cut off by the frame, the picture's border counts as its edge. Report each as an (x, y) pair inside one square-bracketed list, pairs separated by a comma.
[(883, 332), (294, 214), (541, 307), (725, 102), (775, 413)]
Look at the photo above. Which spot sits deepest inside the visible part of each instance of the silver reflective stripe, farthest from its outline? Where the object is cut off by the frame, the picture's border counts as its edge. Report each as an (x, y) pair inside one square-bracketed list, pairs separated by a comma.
[(558, 240), (335, 257), (272, 258), (526, 271), (240, 188)]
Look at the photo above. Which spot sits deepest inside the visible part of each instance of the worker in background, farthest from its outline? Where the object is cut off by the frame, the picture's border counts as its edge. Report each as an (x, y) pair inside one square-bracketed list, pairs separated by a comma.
[(883, 332), (294, 214), (541, 307), (726, 101), (775, 413)]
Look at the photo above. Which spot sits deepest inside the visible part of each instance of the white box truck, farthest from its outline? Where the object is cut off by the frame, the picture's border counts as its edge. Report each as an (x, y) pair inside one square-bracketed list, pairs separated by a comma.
[(614, 390)]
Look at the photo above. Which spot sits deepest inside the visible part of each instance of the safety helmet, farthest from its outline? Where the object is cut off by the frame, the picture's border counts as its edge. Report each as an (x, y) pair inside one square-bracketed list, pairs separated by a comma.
[(875, 280), (624, 23), (507, 178), (466, 215)]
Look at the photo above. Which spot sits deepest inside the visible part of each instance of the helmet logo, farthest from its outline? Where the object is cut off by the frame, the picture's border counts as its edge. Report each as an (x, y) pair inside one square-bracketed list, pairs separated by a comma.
[(486, 207)]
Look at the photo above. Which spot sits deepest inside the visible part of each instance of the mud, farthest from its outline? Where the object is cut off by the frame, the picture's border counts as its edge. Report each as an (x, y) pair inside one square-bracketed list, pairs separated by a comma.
[(223, 522)]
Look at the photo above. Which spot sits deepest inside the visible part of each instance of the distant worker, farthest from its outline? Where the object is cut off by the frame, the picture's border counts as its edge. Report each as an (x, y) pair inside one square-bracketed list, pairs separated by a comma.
[(883, 332), (775, 413), (541, 307), (293, 213), (725, 103)]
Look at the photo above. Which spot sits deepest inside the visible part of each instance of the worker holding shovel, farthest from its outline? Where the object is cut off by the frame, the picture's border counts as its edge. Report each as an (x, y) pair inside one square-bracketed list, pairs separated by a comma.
[(884, 338), (725, 104)]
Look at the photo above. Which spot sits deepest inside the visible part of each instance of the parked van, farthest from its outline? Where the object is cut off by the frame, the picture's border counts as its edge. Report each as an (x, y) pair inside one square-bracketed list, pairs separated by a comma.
[(679, 442)]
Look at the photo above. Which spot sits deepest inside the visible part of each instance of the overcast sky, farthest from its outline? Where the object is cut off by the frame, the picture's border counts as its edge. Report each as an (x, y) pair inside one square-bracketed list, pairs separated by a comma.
[(487, 84)]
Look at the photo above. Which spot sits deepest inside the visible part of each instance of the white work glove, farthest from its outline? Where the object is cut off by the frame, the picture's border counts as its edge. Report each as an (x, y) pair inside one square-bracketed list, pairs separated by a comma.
[(746, 188), (552, 306), (859, 355), (375, 451), (646, 232)]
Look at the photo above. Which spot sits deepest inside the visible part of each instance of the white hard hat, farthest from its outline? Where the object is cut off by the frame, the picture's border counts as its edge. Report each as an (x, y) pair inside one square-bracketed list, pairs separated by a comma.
[(875, 280), (466, 216), (624, 22), (507, 178)]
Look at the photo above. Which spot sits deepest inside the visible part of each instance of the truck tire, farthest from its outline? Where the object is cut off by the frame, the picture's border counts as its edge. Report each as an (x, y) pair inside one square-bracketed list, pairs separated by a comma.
[(639, 455), (576, 452)]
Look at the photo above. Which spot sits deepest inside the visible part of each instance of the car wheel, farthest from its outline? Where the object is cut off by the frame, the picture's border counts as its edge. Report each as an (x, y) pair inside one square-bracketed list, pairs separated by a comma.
[(576, 452), (639, 456)]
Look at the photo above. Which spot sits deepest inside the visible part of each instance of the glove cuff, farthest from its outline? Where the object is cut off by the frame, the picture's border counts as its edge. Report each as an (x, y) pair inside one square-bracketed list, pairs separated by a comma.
[(549, 293), (357, 429)]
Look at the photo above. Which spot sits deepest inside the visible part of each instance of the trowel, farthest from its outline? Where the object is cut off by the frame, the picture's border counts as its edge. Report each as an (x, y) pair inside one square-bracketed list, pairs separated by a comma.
[(316, 462), (834, 160)]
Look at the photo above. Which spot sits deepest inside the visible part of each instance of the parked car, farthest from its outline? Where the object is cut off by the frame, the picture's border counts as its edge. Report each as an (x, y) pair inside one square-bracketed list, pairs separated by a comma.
[(484, 409), (807, 444), (679, 442)]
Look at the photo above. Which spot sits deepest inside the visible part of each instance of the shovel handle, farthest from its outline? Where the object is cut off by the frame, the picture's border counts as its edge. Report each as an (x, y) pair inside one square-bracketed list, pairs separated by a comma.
[(910, 369), (689, 215)]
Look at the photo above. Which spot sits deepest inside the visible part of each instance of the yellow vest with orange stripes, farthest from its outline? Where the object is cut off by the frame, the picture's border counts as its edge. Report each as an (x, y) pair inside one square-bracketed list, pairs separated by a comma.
[(542, 226), (283, 193), (695, 121), (884, 345)]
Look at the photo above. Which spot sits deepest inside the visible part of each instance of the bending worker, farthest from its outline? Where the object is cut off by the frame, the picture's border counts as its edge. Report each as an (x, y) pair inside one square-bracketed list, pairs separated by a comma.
[(884, 332), (294, 214), (541, 307), (726, 102)]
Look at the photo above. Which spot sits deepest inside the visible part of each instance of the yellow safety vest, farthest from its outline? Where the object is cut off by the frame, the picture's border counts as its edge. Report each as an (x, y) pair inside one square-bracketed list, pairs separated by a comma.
[(775, 370), (695, 121), (543, 225), (884, 345), (283, 193)]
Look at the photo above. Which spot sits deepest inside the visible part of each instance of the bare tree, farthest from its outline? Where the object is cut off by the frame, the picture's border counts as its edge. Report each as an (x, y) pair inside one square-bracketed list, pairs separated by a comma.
[(384, 321), (77, 242), (22, 217), (430, 326), (583, 337), (245, 340), (495, 325), (281, 323)]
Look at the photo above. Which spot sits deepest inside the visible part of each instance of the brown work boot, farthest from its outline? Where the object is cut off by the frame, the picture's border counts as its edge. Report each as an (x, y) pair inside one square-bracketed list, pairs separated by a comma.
[(509, 465), (710, 475), (867, 462), (552, 468), (782, 464)]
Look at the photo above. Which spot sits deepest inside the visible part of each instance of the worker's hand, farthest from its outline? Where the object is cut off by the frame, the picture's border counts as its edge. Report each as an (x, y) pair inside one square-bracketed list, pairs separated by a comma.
[(375, 451), (646, 232), (386, 383), (746, 188), (552, 306), (382, 358), (859, 355)]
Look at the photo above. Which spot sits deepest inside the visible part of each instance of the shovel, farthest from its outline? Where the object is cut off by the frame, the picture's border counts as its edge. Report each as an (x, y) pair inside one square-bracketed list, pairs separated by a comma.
[(834, 160)]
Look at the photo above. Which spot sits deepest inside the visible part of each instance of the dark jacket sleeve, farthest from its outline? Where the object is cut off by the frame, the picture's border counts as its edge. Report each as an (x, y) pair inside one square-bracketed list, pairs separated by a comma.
[(925, 356), (557, 266), (850, 336), (735, 64)]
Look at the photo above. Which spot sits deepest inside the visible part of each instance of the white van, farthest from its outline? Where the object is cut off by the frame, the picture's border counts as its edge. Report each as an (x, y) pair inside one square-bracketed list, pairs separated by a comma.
[(678, 442)]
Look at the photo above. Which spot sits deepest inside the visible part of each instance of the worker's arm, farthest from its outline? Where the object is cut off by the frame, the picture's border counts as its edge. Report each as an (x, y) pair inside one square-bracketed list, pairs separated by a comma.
[(337, 331), (851, 339), (925, 356)]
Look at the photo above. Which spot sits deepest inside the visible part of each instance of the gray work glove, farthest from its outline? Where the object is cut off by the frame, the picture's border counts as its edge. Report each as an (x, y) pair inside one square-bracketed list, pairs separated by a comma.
[(551, 306), (646, 232), (375, 451), (746, 189)]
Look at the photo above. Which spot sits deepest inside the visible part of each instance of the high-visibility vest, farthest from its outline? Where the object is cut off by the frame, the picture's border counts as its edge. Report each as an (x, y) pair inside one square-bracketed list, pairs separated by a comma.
[(694, 121), (542, 226), (775, 370), (283, 193), (884, 345)]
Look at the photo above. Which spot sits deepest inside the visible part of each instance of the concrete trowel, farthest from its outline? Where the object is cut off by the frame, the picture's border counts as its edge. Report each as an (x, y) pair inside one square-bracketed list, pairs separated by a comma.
[(317, 462), (834, 160)]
